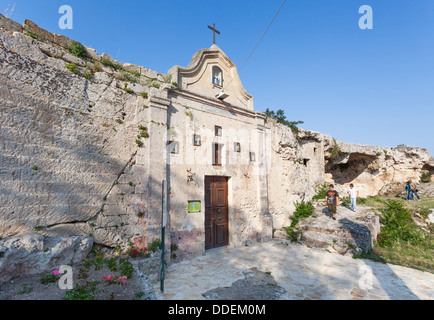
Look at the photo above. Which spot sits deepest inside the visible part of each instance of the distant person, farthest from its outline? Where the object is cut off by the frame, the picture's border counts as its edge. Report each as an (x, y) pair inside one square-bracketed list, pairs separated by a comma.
[(414, 190), (354, 194), (408, 189), (332, 201)]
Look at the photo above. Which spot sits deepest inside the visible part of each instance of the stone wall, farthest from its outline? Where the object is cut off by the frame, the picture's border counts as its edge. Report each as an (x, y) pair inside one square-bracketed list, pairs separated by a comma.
[(296, 168), (69, 162)]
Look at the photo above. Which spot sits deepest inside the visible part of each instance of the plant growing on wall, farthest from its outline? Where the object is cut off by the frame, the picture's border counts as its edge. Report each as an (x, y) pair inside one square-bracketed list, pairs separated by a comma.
[(78, 50), (144, 95), (139, 143), (72, 67), (88, 75), (128, 90), (108, 63), (336, 150), (302, 211), (280, 117)]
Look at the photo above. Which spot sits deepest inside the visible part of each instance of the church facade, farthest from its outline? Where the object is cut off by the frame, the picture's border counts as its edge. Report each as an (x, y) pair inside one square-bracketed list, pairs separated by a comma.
[(217, 157)]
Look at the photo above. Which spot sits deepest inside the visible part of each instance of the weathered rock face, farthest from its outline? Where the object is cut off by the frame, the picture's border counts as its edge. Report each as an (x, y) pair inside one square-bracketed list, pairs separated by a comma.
[(33, 253), (350, 233), (373, 169), (296, 168), (69, 157)]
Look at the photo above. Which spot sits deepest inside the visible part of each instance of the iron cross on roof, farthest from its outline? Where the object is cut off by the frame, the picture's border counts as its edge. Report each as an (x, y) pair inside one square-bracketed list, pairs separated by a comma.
[(214, 31)]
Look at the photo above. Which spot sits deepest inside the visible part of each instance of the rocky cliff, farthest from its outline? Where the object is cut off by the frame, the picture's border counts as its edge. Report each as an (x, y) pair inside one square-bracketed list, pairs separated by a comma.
[(70, 161)]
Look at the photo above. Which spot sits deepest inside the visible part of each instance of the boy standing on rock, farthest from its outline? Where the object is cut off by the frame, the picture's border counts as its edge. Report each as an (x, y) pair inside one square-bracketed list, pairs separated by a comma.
[(332, 201), (354, 194)]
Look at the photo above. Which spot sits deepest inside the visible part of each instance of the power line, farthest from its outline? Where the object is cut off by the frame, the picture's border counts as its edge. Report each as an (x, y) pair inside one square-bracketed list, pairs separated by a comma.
[(262, 37)]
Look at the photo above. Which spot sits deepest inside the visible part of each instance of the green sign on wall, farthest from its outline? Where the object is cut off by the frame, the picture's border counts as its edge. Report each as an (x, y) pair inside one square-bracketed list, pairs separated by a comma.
[(193, 206)]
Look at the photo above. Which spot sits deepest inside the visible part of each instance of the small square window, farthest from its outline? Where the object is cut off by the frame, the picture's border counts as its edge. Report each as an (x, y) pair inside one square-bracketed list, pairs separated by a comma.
[(252, 157), (218, 131), (237, 147), (197, 140), (174, 147)]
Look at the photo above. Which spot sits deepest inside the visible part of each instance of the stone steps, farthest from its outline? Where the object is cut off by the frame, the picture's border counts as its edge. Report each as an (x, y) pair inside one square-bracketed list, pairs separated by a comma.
[(350, 233), (329, 242)]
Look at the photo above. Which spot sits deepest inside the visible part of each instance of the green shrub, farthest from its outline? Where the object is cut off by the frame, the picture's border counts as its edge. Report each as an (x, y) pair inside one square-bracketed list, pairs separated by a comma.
[(49, 278), (280, 117), (129, 90), (88, 75), (144, 95), (96, 67), (135, 73), (144, 134), (129, 77), (72, 67), (154, 245), (108, 63), (140, 214), (126, 268), (139, 143), (321, 192), (78, 50), (83, 292), (302, 211), (425, 177), (398, 226), (293, 234), (336, 150)]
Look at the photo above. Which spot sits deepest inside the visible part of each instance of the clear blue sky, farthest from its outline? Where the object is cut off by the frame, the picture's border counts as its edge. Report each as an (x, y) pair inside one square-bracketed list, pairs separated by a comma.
[(362, 86)]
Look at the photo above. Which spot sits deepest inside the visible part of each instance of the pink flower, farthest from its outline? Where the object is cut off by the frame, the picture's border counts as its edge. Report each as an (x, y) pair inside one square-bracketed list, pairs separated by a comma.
[(122, 280), (108, 278), (56, 273)]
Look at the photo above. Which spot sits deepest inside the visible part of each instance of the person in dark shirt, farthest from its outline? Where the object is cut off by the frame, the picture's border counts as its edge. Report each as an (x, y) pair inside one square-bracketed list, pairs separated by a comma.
[(332, 201)]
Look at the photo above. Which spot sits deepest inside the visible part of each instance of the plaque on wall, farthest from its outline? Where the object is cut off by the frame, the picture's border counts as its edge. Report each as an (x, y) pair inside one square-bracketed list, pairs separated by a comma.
[(193, 206)]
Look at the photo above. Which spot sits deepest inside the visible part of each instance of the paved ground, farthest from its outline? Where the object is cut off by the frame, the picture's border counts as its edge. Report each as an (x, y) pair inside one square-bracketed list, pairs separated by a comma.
[(296, 272)]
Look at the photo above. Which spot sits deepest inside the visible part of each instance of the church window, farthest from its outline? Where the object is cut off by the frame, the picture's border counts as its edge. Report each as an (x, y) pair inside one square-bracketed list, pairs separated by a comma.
[(217, 76), (237, 147), (174, 147), (218, 131), (196, 140), (252, 157)]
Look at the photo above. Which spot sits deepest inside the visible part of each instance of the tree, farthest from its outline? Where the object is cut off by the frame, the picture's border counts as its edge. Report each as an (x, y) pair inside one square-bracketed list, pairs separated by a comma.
[(280, 117)]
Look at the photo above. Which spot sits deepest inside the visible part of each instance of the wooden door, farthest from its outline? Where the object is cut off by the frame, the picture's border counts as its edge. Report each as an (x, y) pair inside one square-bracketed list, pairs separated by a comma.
[(216, 212)]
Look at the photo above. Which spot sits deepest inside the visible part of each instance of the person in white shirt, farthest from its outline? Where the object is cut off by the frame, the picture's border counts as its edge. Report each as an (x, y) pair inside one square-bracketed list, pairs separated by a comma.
[(354, 194)]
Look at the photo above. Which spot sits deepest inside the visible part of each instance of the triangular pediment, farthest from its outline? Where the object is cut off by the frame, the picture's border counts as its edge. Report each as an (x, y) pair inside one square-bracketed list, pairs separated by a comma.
[(211, 72)]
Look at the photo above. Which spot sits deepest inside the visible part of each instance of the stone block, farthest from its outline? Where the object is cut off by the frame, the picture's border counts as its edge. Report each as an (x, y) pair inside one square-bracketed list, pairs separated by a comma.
[(35, 30), (9, 25), (62, 41), (33, 253), (132, 67)]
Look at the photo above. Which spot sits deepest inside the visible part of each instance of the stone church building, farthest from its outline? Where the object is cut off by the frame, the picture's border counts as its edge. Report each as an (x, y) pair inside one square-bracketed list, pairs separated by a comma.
[(85, 155), (220, 159)]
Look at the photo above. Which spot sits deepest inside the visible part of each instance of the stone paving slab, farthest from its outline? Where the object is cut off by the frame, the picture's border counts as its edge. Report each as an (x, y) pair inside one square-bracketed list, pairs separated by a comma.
[(304, 273)]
